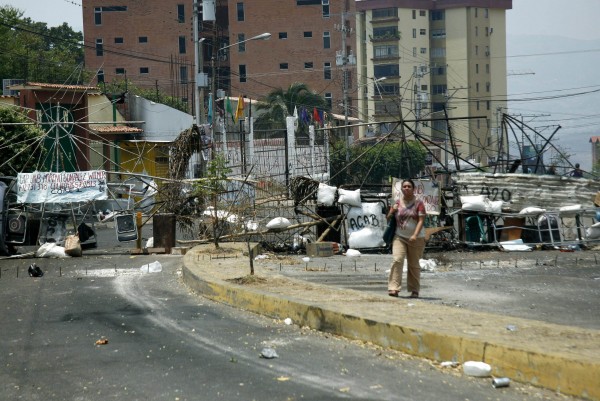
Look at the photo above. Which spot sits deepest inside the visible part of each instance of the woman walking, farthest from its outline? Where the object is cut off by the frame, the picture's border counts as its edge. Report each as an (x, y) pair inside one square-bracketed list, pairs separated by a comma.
[(409, 241)]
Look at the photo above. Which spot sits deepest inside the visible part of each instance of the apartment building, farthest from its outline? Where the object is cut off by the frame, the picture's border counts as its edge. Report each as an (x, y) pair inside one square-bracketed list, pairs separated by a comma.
[(151, 44), (312, 41), (417, 58)]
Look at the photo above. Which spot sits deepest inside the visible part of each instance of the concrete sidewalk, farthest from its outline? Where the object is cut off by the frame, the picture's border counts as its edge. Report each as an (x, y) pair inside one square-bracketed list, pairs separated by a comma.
[(557, 357)]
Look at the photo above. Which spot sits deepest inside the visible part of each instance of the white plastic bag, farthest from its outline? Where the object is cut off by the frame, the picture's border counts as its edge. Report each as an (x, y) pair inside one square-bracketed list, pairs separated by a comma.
[(477, 369), (153, 267), (51, 250)]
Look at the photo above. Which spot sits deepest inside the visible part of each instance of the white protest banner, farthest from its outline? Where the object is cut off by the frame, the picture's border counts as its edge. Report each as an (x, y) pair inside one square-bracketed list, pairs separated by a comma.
[(426, 190), (46, 187), (366, 225)]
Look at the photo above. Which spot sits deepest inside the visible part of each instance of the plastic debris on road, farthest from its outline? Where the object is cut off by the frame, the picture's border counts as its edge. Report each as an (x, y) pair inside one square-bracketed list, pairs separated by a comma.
[(287, 321), (353, 252), (268, 353), (153, 267)]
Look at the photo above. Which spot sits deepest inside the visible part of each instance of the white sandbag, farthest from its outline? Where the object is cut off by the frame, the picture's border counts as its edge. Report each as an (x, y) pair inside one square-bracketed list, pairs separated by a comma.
[(366, 225), (474, 203), (51, 250), (593, 232), (278, 222), (368, 237), (477, 369), (353, 252), (351, 198), (532, 210), (570, 210), (326, 194)]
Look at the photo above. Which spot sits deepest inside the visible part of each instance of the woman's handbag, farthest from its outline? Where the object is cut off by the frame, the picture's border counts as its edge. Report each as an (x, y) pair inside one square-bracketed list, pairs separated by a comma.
[(390, 231)]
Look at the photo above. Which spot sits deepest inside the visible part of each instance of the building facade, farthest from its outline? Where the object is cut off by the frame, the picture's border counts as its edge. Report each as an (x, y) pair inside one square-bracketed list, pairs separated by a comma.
[(312, 42), (422, 60)]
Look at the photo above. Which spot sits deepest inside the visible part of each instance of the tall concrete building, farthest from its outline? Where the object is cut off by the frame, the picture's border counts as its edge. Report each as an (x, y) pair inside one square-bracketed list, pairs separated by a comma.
[(417, 58)]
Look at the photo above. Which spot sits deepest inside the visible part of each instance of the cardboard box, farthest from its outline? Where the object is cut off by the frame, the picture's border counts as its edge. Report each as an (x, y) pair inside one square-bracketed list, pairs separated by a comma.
[(320, 249), (597, 199)]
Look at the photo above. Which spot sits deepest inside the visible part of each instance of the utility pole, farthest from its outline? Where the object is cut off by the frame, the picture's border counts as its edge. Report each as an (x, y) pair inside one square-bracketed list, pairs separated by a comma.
[(343, 59)]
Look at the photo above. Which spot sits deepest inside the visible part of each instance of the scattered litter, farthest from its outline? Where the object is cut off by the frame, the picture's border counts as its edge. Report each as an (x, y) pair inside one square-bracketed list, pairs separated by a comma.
[(511, 327), (268, 353), (477, 369), (501, 382), (261, 256), (102, 341), (153, 267), (35, 271), (427, 264), (283, 378), (449, 364), (150, 243), (287, 321), (306, 259), (353, 252)]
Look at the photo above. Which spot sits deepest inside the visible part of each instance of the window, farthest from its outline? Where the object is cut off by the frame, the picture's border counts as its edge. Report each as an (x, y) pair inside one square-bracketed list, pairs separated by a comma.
[(476, 50), (476, 31), (99, 47), (98, 15), (386, 70), (144, 70), (487, 86), (478, 105), (181, 13), (118, 40), (476, 68), (487, 68), (242, 72), (326, 40), (438, 89), (120, 71), (327, 71), (325, 4), (477, 87), (143, 39), (437, 52), (283, 66), (486, 12), (385, 51), (308, 34), (100, 76), (423, 50), (99, 10), (487, 31), (328, 99), (438, 33), (308, 65), (282, 35), (487, 104), (308, 2), (385, 13), (423, 32), (423, 13), (241, 46), (182, 45), (414, 52), (476, 12), (414, 14), (240, 12), (386, 32), (438, 71), (414, 32), (183, 74), (437, 15)]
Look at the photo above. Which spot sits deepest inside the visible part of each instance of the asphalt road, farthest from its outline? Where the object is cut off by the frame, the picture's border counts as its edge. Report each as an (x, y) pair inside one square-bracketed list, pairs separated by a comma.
[(165, 343)]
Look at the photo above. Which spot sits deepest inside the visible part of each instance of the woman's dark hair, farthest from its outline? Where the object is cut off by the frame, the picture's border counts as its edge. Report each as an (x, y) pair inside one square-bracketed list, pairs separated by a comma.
[(410, 181)]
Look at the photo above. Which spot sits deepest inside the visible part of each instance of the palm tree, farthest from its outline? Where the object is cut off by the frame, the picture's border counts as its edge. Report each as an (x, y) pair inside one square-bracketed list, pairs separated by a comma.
[(278, 105)]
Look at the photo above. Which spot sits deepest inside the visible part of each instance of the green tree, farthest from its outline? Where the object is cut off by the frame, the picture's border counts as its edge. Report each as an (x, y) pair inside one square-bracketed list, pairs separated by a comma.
[(21, 147), (211, 188), (279, 104), (375, 163), (33, 52)]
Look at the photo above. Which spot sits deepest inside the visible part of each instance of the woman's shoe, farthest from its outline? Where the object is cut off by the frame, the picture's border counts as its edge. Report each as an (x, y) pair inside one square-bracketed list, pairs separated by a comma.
[(414, 294), (393, 293)]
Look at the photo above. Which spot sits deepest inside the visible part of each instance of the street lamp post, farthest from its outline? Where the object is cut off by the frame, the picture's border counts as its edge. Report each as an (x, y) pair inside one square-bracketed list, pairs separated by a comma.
[(262, 36)]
